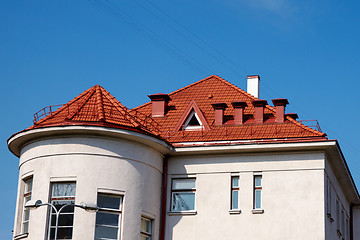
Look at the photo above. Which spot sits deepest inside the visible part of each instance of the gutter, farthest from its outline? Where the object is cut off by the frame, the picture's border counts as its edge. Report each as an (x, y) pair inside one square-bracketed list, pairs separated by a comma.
[(163, 198)]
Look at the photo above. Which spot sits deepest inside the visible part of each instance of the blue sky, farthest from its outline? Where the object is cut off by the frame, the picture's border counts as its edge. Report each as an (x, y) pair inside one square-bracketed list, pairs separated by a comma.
[(51, 51)]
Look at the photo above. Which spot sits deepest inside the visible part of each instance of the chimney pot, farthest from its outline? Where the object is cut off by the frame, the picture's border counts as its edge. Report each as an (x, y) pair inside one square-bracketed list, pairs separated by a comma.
[(219, 112), (280, 104), (253, 85), (259, 105), (239, 112), (159, 104)]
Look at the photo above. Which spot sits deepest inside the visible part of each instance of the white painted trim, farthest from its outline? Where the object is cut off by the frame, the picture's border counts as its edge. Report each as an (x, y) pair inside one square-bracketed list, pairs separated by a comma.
[(190, 212), (21, 139), (236, 145)]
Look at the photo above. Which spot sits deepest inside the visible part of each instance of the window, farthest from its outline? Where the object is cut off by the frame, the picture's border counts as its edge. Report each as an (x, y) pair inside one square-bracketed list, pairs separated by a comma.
[(328, 205), (61, 194), (183, 194), (193, 122), (26, 211), (146, 229), (257, 192), (235, 192), (338, 217), (108, 217), (342, 222)]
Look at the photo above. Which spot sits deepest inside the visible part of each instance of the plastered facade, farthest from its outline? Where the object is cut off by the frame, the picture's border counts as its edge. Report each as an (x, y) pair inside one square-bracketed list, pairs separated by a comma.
[(104, 165)]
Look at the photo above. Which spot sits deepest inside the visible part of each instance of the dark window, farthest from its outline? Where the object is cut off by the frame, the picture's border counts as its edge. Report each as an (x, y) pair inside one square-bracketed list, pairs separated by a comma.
[(108, 217), (62, 194)]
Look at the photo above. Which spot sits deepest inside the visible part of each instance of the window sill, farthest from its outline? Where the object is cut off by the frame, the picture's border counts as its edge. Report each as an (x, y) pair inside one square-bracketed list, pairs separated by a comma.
[(191, 212), (257, 211), (234, 211), (21, 236)]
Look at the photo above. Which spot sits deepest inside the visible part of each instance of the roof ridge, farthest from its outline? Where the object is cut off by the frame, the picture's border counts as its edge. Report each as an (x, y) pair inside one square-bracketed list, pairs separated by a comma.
[(271, 108), (100, 102), (72, 115), (180, 89)]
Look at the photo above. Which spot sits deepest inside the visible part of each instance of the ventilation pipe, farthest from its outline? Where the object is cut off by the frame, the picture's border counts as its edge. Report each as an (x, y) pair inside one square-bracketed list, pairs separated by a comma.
[(253, 85), (280, 104), (239, 112), (259, 105), (219, 112), (159, 103)]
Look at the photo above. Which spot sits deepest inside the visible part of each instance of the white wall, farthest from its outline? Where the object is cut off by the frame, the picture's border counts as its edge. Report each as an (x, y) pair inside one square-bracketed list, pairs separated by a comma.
[(96, 164), (293, 198)]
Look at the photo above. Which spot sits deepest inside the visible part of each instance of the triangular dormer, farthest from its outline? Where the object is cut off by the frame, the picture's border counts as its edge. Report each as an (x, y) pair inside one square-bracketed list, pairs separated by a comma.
[(192, 119)]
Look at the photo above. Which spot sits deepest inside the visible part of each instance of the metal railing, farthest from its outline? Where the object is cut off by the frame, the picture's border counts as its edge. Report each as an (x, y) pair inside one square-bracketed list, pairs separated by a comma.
[(313, 124), (48, 110)]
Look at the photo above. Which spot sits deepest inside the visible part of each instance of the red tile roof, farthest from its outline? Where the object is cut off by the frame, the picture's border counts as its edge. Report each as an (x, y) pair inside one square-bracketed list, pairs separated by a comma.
[(98, 107), (212, 90)]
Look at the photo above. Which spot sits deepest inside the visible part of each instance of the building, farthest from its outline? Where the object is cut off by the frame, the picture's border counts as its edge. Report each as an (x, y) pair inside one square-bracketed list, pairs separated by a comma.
[(207, 161)]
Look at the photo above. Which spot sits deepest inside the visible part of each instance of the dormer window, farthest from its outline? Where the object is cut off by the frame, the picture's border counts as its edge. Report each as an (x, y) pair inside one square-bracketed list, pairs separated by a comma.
[(192, 119), (193, 122)]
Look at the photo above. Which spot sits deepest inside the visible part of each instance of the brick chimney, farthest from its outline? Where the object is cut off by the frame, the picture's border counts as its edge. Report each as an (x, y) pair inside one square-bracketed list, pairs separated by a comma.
[(219, 112), (259, 105), (253, 85), (159, 103), (292, 115), (280, 104), (239, 112)]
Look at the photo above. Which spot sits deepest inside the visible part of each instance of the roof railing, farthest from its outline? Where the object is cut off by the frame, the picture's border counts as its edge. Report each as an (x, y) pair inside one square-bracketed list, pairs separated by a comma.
[(313, 124), (46, 111)]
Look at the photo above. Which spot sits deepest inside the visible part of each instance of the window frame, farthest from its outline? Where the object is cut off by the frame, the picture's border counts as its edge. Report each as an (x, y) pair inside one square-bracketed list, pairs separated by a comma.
[(257, 188), (111, 211), (185, 190), (147, 234), (233, 190), (26, 211), (191, 127), (52, 214)]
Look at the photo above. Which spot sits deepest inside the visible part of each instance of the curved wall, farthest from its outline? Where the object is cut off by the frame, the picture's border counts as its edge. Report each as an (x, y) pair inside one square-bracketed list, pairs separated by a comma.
[(97, 164)]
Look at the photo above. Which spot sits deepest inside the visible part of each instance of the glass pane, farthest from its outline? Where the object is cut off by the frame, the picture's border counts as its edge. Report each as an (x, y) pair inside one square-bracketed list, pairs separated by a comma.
[(235, 199), (108, 201), (145, 225), (25, 227), (28, 185), (64, 220), (27, 198), (257, 181), (257, 198), (59, 203), (107, 219), (26, 214), (63, 233), (106, 232), (193, 121), (64, 189), (187, 183), (235, 182), (183, 201), (143, 237)]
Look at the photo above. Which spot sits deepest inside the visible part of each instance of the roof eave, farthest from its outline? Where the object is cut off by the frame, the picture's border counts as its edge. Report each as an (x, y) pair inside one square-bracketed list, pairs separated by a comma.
[(18, 140)]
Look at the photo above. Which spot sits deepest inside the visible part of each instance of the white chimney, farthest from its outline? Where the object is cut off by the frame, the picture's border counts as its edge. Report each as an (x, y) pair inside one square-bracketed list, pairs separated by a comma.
[(253, 85)]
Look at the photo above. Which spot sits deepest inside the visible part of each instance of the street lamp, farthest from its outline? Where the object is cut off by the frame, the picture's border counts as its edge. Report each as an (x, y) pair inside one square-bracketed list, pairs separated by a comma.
[(34, 204)]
